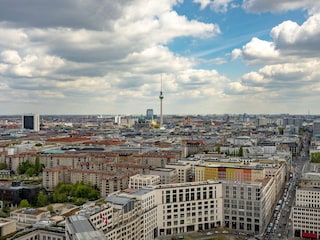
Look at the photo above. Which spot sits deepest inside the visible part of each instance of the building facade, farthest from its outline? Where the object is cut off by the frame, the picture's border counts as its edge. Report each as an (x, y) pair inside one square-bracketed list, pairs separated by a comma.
[(188, 207), (31, 121)]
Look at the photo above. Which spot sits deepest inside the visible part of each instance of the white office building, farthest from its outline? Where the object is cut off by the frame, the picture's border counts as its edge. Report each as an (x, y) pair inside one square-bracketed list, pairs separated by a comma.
[(188, 207), (306, 213)]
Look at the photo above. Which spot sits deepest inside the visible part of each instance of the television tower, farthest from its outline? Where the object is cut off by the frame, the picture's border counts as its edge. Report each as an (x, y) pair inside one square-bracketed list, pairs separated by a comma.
[(161, 98)]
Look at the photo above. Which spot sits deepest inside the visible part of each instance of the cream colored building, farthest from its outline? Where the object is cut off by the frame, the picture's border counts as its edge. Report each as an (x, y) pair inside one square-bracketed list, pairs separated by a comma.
[(29, 215), (246, 207), (186, 207), (306, 213), (183, 171), (167, 175), (7, 226), (149, 208), (140, 180), (51, 177), (43, 234)]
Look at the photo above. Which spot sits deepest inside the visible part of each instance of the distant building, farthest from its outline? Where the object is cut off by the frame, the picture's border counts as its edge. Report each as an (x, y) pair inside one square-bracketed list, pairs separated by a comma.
[(117, 120), (149, 114), (31, 121), (14, 193), (316, 129)]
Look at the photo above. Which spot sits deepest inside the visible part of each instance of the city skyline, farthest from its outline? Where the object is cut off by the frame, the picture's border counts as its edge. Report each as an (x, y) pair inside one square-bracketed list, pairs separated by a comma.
[(106, 57)]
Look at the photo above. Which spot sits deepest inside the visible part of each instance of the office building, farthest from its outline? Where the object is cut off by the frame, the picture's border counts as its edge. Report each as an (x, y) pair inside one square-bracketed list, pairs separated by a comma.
[(31, 122), (188, 207), (316, 129), (149, 114), (306, 209)]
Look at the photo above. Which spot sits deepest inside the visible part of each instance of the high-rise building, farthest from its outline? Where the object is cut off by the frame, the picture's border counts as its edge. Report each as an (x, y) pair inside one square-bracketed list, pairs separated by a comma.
[(316, 129), (117, 120), (31, 121), (149, 114)]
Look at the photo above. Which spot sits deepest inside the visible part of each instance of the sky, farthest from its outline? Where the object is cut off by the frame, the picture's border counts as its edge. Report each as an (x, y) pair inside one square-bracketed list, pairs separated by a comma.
[(109, 57)]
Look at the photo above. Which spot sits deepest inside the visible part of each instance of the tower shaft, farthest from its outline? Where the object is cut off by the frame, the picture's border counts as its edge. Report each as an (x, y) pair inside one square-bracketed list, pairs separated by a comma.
[(161, 98)]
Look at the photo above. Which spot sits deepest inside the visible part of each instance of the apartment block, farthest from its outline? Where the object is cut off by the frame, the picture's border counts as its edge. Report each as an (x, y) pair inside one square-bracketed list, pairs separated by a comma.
[(110, 184)]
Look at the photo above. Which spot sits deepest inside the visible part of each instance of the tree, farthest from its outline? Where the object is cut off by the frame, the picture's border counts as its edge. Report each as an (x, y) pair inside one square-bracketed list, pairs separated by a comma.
[(50, 209), (281, 129), (93, 194), (30, 171), (240, 152), (24, 203), (59, 197), (3, 166), (37, 166), (315, 157), (218, 149), (67, 192), (41, 199)]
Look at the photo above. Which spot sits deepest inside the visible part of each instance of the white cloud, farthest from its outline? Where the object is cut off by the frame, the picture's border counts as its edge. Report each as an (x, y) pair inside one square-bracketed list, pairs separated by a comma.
[(10, 57), (299, 40), (236, 53), (291, 42), (33, 66), (258, 51), (219, 6), (203, 3), (280, 6), (285, 80), (3, 68)]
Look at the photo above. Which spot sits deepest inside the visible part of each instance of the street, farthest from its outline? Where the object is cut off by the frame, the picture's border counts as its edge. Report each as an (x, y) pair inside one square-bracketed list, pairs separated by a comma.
[(280, 226)]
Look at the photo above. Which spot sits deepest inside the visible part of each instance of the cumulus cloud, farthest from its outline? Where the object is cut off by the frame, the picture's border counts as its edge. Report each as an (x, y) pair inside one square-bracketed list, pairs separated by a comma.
[(10, 57), (257, 6), (219, 6), (291, 42), (258, 51), (82, 51), (292, 38), (96, 14), (282, 80)]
